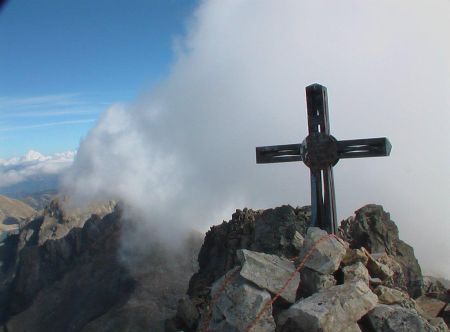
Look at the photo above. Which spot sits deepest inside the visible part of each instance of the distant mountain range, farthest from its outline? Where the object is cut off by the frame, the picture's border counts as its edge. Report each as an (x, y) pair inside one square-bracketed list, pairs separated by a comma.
[(33, 177)]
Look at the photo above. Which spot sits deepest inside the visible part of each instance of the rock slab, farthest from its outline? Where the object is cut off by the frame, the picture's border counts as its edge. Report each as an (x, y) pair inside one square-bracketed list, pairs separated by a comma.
[(269, 272), (386, 318), (237, 305), (335, 309), (328, 253)]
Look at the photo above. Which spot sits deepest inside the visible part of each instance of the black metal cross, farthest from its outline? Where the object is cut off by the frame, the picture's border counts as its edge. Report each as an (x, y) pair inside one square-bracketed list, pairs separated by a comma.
[(320, 152)]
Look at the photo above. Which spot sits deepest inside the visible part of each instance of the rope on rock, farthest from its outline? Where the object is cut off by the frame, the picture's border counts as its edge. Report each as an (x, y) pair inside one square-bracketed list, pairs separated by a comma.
[(270, 303), (214, 299), (278, 294)]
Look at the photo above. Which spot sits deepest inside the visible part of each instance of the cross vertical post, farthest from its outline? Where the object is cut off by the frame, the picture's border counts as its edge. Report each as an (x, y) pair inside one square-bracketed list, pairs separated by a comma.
[(323, 202)]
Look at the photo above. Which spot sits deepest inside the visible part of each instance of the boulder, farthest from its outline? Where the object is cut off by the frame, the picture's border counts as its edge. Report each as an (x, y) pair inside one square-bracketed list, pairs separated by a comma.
[(327, 255), (393, 318), (377, 269), (372, 228), (430, 306), (237, 305), (335, 309), (374, 282), (387, 295), (355, 255), (356, 271), (312, 282), (269, 272), (435, 285)]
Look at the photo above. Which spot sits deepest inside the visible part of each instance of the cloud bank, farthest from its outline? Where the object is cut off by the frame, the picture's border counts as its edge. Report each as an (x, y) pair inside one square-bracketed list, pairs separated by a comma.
[(17, 174), (182, 155)]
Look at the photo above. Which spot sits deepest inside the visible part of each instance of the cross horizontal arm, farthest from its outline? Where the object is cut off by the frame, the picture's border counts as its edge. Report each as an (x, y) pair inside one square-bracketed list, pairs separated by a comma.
[(368, 147), (278, 153)]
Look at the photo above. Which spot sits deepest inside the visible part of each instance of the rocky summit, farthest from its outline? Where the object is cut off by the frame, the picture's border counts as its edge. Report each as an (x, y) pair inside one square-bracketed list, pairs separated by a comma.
[(268, 270)]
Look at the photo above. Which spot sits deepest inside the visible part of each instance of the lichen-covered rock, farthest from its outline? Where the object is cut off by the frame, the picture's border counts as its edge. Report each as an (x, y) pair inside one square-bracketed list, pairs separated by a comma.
[(356, 271), (355, 255), (391, 296), (269, 272), (372, 228), (335, 309), (238, 304), (393, 318), (327, 255), (377, 269)]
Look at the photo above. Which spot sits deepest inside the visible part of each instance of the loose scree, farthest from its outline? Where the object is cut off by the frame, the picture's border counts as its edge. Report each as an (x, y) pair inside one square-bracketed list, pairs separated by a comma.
[(320, 151)]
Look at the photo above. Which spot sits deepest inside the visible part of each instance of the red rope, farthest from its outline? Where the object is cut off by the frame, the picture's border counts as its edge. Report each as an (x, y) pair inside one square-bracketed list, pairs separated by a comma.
[(278, 294), (269, 304), (214, 299)]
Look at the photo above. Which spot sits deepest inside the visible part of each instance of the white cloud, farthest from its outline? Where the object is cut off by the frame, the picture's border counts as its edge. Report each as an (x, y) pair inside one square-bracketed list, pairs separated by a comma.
[(183, 154), (18, 170)]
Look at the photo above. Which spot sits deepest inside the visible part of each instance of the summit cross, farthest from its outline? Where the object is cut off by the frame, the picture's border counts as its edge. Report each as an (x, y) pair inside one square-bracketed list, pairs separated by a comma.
[(320, 151)]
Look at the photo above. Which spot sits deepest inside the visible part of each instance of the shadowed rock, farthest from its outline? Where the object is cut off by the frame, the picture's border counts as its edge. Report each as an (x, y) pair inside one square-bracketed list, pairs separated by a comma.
[(238, 305), (272, 231), (372, 228), (394, 318)]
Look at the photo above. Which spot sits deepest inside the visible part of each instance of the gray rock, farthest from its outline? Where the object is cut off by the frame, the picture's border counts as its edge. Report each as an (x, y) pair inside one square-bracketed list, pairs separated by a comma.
[(374, 282), (356, 272), (327, 255), (377, 269), (237, 306), (312, 282), (372, 228), (296, 241), (272, 231), (438, 286), (269, 272), (388, 295), (386, 318), (355, 255), (335, 309)]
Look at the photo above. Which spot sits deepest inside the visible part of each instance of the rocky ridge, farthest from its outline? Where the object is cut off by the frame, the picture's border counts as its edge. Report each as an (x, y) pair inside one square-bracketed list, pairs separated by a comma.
[(70, 271), (62, 272), (365, 280), (13, 213)]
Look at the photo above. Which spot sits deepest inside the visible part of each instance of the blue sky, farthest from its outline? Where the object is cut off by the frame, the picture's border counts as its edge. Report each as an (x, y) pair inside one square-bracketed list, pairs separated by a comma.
[(63, 62)]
